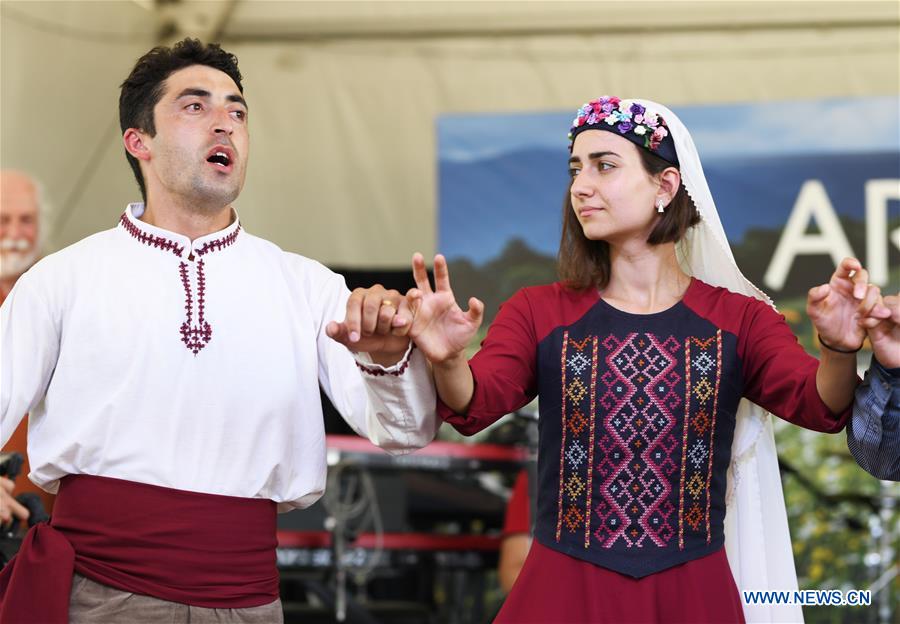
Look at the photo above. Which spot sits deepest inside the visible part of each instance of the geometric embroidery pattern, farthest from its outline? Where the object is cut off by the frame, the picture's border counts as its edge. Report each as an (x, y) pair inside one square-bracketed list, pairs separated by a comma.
[(573, 518), (703, 371), (695, 485), (703, 390), (575, 454), (590, 472), (694, 517), (578, 362), (635, 457), (576, 422), (574, 486), (698, 454), (576, 391), (700, 422)]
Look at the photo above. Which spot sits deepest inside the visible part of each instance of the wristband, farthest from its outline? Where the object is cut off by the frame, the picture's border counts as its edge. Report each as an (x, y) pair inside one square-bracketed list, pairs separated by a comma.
[(835, 349)]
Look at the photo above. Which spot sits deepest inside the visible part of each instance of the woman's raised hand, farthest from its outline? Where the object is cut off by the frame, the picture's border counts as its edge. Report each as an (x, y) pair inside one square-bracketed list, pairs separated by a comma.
[(839, 308), (440, 328)]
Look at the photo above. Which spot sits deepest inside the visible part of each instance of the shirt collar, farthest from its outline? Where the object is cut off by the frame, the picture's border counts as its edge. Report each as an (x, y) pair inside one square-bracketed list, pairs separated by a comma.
[(172, 242)]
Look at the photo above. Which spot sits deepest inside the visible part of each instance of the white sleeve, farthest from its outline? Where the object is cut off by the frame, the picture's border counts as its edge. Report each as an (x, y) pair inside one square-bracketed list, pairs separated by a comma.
[(394, 407), (30, 347)]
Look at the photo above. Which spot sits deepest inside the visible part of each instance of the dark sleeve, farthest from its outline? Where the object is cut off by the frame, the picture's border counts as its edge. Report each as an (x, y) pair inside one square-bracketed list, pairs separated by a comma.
[(504, 370), (518, 509), (780, 375), (873, 434)]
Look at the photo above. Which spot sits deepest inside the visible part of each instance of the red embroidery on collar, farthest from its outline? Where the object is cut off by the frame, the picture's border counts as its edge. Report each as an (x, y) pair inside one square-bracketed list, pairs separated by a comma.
[(160, 242), (219, 243), (194, 337)]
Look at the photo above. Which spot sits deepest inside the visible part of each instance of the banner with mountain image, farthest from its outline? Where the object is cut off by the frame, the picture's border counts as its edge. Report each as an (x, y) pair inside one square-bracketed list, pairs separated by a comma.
[(798, 186)]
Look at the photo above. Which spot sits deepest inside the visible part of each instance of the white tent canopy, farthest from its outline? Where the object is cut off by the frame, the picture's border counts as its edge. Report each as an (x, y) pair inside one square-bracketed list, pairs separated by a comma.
[(344, 95)]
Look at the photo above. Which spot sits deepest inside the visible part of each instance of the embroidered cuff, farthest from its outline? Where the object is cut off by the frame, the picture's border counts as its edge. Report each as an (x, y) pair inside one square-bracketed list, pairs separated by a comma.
[(366, 364)]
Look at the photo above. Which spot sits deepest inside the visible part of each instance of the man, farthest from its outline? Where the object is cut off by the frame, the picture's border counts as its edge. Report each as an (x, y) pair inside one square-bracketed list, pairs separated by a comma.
[(19, 249), (873, 434), (19, 227), (171, 367)]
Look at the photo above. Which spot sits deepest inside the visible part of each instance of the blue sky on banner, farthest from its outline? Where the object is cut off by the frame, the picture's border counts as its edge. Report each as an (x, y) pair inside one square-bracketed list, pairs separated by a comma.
[(503, 176)]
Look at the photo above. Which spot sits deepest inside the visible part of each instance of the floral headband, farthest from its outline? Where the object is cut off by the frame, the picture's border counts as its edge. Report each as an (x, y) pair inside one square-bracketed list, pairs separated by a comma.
[(629, 119)]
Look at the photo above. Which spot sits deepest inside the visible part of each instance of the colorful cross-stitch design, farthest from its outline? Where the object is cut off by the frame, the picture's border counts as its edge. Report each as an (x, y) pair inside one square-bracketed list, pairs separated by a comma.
[(578, 361), (703, 370), (639, 407)]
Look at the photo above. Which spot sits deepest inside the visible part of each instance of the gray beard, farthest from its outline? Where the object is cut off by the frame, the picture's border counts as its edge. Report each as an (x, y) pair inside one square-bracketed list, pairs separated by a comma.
[(13, 263)]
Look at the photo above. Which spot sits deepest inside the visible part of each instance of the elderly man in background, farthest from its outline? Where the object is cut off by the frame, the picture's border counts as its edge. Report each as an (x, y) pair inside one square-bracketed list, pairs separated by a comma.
[(20, 212), (19, 217)]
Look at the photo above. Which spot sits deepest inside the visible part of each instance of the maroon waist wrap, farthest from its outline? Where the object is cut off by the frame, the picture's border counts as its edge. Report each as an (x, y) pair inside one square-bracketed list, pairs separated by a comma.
[(198, 549)]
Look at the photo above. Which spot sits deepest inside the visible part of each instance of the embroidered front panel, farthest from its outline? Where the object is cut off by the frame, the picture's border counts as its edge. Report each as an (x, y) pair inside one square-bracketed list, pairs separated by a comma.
[(637, 420), (197, 335), (638, 408), (638, 434), (703, 371), (578, 364)]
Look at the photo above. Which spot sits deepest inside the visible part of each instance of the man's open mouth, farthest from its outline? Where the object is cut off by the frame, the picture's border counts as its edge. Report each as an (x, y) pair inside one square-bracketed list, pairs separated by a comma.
[(219, 158)]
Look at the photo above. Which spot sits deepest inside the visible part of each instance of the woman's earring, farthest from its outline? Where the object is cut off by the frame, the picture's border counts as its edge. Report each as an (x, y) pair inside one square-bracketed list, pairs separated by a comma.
[(660, 207)]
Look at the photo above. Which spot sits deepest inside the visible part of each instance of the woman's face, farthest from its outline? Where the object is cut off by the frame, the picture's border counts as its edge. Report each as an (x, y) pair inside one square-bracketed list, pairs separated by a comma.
[(612, 194)]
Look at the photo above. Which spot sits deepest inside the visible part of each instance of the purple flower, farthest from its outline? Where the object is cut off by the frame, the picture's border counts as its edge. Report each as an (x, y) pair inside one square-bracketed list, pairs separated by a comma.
[(607, 107), (625, 126), (637, 109), (592, 119)]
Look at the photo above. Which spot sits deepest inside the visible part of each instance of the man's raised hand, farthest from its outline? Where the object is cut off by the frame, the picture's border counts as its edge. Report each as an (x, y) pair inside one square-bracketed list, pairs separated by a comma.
[(377, 322)]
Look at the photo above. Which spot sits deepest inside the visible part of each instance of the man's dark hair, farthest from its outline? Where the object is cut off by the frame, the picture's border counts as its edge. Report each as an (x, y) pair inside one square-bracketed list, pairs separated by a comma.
[(144, 86)]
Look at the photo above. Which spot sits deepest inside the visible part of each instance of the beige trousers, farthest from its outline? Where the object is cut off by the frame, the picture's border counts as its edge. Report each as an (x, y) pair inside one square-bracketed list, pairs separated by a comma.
[(93, 603)]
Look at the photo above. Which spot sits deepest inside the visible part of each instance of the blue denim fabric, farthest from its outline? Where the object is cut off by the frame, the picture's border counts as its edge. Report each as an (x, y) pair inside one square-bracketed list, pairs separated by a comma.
[(873, 434)]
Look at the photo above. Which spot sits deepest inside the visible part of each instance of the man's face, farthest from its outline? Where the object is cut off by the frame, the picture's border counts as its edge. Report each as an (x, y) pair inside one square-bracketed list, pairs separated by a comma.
[(18, 224), (199, 153)]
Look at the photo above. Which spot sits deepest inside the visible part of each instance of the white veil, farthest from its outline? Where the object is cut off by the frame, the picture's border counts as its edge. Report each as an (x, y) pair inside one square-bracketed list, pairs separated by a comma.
[(757, 540)]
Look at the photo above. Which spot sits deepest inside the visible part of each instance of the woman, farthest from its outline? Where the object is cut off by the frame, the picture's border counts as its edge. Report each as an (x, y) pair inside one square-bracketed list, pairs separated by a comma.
[(641, 356)]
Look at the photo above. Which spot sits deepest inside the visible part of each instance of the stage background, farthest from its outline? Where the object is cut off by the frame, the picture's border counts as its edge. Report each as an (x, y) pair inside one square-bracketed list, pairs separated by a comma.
[(348, 100)]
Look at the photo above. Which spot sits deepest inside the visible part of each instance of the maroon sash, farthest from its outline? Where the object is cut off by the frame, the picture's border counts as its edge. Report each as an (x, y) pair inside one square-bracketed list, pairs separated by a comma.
[(198, 549)]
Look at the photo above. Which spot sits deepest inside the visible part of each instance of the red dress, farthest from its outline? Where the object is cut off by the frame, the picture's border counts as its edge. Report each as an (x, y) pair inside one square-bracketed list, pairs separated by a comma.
[(553, 587), (637, 418)]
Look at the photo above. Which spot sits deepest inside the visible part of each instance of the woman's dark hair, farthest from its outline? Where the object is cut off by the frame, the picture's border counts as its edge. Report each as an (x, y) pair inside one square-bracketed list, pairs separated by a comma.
[(145, 84), (584, 263)]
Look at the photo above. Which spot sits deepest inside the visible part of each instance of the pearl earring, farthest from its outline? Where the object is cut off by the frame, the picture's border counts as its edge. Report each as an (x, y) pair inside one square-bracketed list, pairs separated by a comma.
[(660, 207)]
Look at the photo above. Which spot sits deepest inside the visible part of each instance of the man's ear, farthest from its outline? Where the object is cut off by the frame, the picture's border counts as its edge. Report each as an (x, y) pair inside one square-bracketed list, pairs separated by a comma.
[(135, 144)]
